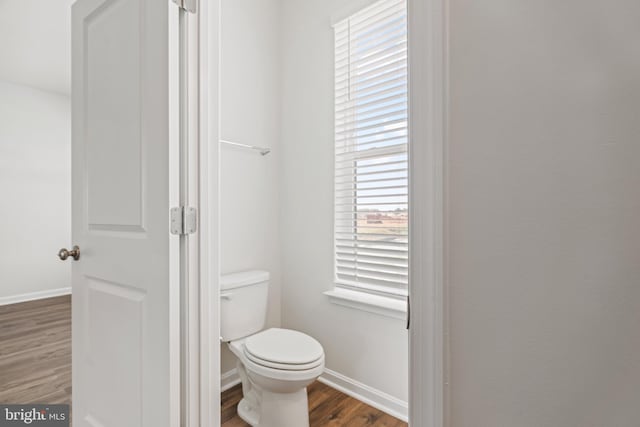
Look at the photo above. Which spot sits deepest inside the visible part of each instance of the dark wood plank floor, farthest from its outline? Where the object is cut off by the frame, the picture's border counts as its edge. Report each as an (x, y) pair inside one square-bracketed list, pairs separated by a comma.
[(35, 351), (35, 367), (327, 407)]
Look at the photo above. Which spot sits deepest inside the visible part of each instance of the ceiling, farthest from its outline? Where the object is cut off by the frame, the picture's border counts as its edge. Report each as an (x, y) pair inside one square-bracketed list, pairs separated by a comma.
[(35, 43)]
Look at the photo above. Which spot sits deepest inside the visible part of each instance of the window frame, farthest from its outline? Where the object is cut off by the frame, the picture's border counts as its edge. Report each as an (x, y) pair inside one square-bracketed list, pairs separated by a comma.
[(385, 300)]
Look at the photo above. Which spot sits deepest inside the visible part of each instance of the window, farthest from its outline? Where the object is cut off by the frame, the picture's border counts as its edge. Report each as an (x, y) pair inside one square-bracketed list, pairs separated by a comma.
[(371, 151)]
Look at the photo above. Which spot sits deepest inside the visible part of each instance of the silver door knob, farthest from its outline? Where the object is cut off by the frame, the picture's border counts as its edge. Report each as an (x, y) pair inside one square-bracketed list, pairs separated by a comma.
[(74, 253)]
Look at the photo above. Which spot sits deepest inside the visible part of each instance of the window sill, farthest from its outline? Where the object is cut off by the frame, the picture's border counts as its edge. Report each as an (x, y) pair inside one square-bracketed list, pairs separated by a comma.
[(384, 306)]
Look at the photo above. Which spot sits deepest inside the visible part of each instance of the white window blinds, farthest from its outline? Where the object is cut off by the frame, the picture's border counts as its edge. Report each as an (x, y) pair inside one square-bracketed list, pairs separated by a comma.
[(371, 149)]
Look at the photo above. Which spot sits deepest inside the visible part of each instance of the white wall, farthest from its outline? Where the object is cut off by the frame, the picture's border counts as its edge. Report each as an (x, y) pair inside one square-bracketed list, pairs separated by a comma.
[(35, 189), (545, 213), (365, 347), (35, 43), (250, 113)]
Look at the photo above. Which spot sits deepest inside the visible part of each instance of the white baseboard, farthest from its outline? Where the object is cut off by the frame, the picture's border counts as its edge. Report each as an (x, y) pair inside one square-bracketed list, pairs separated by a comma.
[(14, 299), (369, 395), (229, 379)]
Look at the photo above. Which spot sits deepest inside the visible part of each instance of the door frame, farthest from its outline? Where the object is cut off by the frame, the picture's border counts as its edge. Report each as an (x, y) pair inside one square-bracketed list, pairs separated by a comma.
[(428, 130), (199, 385), (428, 336), (207, 391)]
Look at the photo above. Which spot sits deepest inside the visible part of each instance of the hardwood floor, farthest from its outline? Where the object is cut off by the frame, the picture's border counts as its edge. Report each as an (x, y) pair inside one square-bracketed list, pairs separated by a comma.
[(35, 367), (35, 351), (327, 407)]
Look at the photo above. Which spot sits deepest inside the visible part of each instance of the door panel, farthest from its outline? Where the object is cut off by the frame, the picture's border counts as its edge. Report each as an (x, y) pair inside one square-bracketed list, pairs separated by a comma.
[(122, 318), (112, 71), (118, 346)]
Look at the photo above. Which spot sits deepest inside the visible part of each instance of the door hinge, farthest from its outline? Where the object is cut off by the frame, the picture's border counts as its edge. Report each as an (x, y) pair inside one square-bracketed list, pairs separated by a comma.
[(188, 5), (184, 220)]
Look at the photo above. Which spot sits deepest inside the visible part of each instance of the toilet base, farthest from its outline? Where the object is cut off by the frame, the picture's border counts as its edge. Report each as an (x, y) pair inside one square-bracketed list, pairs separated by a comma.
[(270, 398), (247, 413), (276, 410)]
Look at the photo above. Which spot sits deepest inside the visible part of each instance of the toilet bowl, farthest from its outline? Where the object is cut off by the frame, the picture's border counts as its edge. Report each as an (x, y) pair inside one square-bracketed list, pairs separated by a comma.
[(275, 365), (273, 381)]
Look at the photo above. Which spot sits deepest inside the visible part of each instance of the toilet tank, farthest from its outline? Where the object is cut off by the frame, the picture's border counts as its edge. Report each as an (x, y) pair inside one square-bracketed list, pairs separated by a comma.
[(243, 303)]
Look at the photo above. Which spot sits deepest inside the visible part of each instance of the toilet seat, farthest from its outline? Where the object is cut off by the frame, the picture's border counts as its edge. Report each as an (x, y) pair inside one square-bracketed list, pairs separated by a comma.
[(283, 349), (284, 366), (274, 347), (283, 374)]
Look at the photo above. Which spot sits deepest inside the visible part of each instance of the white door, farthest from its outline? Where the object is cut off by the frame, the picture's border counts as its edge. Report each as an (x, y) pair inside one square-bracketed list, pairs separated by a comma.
[(124, 360)]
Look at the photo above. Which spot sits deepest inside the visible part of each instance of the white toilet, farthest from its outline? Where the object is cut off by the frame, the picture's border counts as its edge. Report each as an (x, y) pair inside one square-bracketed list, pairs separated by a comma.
[(275, 365)]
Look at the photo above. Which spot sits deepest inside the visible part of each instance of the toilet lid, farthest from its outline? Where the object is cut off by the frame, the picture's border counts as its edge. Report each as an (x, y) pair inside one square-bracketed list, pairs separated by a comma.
[(283, 346), (284, 366)]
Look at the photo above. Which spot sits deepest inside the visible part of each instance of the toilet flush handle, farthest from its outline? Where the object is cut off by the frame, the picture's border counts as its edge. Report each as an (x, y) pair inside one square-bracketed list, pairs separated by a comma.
[(226, 296)]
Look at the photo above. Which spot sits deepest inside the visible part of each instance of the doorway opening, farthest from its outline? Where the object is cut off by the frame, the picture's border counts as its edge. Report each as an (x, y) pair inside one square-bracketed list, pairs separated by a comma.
[(324, 87), (35, 181)]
